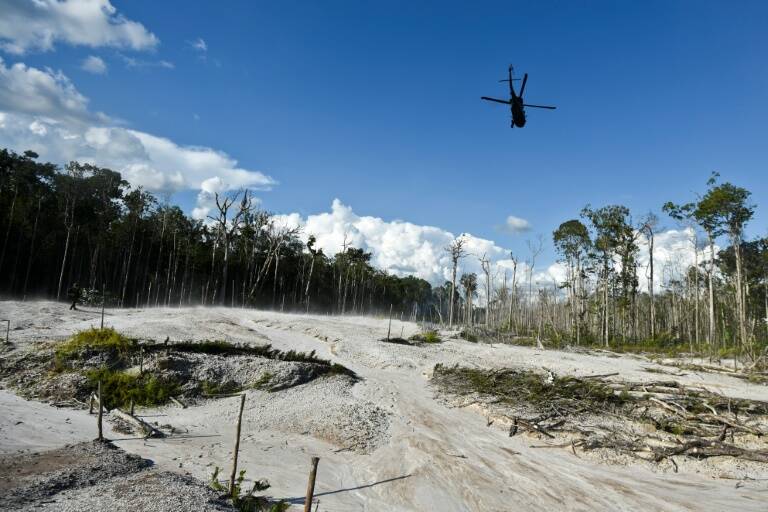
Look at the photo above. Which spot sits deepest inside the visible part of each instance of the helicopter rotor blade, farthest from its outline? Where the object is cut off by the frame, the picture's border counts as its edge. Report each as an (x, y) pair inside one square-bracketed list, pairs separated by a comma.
[(539, 106), (486, 98), (522, 87)]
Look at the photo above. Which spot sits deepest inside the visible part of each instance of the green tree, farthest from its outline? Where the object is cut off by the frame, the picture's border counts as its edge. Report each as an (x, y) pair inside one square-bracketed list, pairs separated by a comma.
[(728, 206), (572, 241)]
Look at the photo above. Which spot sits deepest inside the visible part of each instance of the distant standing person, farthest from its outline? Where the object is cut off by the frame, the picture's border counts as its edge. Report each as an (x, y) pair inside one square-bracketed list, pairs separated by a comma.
[(74, 295)]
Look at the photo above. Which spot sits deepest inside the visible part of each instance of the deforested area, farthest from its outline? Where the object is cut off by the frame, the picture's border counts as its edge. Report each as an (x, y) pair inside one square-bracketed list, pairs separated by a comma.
[(651, 421), (383, 256)]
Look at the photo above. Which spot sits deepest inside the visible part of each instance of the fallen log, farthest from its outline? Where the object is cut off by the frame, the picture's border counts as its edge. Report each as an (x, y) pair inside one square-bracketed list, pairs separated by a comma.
[(137, 423), (702, 448), (178, 402)]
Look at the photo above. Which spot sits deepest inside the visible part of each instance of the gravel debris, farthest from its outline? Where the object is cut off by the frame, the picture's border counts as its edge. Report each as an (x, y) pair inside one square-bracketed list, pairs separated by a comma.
[(97, 476)]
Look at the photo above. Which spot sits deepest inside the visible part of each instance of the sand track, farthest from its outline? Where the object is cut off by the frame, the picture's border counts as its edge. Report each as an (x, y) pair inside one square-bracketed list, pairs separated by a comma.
[(419, 454)]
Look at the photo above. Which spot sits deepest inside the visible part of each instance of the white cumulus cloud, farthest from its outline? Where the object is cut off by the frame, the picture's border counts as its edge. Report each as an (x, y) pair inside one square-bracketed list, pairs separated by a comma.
[(45, 93), (39, 24), (399, 247), (41, 110), (95, 65)]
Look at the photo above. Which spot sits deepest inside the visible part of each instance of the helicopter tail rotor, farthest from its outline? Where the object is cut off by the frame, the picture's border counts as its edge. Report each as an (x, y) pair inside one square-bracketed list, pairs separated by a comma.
[(522, 87)]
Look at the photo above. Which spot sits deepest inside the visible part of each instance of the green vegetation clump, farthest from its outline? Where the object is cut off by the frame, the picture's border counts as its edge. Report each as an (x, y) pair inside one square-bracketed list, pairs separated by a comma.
[(247, 501), (94, 339), (119, 388), (426, 337), (468, 336)]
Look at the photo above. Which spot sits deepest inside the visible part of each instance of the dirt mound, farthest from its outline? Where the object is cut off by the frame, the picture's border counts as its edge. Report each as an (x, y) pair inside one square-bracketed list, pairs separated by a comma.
[(34, 477), (150, 374)]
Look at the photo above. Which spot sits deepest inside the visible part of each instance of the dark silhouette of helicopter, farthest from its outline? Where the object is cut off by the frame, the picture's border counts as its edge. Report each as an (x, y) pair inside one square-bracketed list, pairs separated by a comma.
[(515, 101)]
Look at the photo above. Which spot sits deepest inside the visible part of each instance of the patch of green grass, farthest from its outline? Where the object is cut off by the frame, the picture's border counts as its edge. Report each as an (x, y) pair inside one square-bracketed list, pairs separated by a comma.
[(105, 340), (426, 337), (119, 388), (466, 335)]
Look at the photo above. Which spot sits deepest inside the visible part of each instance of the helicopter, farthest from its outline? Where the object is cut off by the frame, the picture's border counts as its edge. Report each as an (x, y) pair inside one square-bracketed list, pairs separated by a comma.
[(515, 102)]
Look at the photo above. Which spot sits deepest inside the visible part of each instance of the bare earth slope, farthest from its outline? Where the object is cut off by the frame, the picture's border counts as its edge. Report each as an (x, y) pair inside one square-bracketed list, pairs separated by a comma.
[(385, 443)]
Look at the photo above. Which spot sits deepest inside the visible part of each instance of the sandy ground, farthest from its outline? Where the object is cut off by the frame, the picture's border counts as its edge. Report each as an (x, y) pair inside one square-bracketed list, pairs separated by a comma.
[(426, 456)]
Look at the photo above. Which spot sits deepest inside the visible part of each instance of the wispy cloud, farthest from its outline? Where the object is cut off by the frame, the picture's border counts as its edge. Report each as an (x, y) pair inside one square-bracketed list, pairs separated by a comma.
[(132, 62), (95, 65), (199, 44), (515, 225)]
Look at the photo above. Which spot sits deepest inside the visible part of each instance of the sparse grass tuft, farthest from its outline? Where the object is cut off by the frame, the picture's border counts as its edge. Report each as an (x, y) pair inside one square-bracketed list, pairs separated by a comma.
[(263, 381), (220, 388)]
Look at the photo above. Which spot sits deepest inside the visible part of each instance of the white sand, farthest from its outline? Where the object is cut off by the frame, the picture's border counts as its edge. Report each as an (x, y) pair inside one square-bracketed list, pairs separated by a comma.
[(433, 458)]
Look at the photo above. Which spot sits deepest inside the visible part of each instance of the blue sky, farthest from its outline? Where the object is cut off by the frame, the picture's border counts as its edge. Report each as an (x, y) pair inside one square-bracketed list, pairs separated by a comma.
[(377, 103)]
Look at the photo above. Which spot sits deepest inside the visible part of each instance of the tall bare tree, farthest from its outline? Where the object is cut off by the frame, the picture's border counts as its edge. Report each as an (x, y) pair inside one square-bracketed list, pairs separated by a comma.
[(456, 251)]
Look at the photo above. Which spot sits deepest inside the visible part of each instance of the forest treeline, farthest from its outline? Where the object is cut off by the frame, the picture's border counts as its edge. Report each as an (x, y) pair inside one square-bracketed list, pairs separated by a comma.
[(84, 224)]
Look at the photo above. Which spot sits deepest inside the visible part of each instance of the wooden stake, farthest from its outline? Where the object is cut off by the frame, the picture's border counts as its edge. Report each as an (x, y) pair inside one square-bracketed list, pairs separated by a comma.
[(103, 301), (90, 405), (132, 409), (237, 448), (311, 485), (8, 332), (389, 329), (101, 412)]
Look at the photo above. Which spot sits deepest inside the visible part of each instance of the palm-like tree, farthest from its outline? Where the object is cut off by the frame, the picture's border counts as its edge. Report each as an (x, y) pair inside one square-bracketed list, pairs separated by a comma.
[(469, 283)]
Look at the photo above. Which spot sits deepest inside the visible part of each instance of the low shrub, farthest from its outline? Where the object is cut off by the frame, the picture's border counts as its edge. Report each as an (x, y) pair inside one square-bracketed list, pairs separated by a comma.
[(247, 501), (119, 388), (427, 337), (106, 339)]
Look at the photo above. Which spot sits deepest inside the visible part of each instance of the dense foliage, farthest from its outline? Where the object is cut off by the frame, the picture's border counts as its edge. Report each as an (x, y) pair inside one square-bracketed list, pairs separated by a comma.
[(85, 225)]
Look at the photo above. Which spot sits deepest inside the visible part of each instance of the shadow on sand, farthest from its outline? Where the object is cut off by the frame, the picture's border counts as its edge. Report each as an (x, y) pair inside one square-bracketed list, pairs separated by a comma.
[(296, 501)]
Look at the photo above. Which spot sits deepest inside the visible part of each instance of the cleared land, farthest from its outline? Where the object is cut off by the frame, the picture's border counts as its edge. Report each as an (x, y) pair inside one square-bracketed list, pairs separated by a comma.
[(393, 440)]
